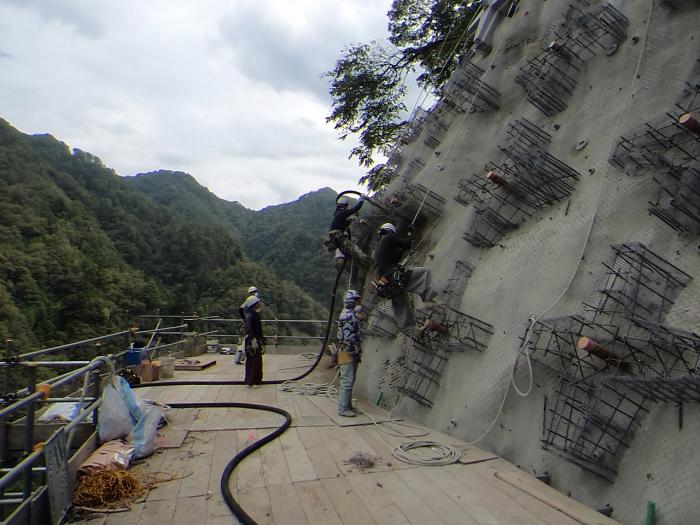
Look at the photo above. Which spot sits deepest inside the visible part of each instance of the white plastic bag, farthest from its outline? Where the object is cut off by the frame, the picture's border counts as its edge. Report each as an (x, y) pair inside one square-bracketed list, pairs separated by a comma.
[(62, 412), (143, 436), (119, 411)]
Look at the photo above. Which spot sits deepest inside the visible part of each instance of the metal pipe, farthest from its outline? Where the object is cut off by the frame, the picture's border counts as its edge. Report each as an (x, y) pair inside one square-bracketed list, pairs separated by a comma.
[(34, 469), (63, 400), (47, 363), (72, 345), (160, 330), (27, 462), (11, 501), (29, 431)]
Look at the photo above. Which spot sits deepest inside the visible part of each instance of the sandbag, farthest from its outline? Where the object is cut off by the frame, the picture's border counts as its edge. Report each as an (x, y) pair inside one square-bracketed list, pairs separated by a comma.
[(143, 436)]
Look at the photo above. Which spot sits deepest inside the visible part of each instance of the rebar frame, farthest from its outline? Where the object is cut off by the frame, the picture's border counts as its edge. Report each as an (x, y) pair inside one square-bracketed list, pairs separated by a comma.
[(529, 179), (677, 200), (663, 144), (639, 285), (463, 332), (380, 321), (465, 89), (487, 226), (424, 370), (430, 204), (550, 78), (457, 283), (592, 425)]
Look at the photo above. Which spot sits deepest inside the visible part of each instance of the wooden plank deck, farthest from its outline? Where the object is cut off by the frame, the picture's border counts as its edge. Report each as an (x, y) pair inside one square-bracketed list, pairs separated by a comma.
[(303, 477)]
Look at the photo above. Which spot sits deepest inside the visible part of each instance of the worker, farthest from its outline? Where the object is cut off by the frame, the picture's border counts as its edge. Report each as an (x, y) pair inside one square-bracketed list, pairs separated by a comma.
[(242, 310), (254, 344), (339, 235), (394, 282), (350, 352)]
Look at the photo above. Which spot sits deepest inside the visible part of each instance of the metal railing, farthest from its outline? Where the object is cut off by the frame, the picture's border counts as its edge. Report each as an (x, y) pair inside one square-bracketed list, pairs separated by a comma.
[(23, 475)]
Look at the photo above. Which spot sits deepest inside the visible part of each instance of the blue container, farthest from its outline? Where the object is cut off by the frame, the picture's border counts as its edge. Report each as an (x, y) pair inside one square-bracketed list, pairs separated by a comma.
[(133, 357)]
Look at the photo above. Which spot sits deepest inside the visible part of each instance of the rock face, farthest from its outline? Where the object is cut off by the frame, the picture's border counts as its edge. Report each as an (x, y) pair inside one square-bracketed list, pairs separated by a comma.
[(556, 190)]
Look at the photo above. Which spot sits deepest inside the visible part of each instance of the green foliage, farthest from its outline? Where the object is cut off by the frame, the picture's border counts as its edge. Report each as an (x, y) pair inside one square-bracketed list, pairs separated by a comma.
[(367, 84), (84, 251)]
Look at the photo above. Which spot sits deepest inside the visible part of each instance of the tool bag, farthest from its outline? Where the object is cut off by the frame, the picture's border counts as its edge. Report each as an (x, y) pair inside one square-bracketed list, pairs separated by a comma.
[(393, 285)]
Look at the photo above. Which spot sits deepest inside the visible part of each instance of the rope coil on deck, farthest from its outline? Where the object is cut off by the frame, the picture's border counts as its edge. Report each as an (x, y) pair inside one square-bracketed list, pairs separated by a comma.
[(444, 454)]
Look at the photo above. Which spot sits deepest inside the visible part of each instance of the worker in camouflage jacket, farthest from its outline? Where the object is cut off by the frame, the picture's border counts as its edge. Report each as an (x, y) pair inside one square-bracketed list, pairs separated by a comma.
[(350, 351)]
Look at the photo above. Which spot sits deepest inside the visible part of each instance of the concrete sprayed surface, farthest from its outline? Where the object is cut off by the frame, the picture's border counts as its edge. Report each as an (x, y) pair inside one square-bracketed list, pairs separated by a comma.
[(552, 263)]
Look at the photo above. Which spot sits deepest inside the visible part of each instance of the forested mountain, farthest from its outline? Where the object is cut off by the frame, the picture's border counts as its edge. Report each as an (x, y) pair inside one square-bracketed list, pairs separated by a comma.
[(83, 251), (286, 237)]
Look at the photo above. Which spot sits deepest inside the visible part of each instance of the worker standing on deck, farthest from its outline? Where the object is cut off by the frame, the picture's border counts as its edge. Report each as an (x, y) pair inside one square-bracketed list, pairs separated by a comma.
[(350, 352), (242, 310), (254, 344), (394, 282), (339, 236)]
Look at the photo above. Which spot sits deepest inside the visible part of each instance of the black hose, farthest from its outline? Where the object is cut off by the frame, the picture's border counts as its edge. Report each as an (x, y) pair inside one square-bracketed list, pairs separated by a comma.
[(237, 510)]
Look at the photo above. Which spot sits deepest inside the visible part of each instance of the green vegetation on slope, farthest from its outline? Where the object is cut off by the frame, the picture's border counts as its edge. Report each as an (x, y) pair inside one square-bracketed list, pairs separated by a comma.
[(84, 252)]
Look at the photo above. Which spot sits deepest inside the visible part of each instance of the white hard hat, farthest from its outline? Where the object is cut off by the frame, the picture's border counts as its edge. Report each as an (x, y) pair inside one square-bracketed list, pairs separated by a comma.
[(387, 227), (252, 289)]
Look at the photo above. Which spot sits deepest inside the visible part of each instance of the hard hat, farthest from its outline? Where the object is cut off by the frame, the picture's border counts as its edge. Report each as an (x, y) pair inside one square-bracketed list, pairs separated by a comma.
[(342, 202), (252, 289), (352, 295), (387, 227)]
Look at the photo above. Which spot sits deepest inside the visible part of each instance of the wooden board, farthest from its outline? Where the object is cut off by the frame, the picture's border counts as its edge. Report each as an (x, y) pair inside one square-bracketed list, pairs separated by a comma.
[(231, 423), (181, 365), (174, 433), (330, 408), (554, 498)]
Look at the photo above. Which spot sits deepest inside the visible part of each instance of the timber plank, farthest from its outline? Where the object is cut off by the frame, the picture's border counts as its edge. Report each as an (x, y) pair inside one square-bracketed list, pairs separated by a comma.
[(433, 497), (470, 503), (174, 462), (274, 465), (298, 462), (322, 460), (199, 465), (549, 515), (160, 511), (406, 499), (250, 470), (347, 502), (508, 510), (554, 498), (286, 505), (375, 499), (330, 407), (225, 447), (317, 505), (256, 502), (190, 510)]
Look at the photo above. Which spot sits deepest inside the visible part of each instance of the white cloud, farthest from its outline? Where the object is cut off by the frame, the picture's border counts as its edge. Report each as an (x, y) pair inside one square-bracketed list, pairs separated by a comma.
[(227, 91)]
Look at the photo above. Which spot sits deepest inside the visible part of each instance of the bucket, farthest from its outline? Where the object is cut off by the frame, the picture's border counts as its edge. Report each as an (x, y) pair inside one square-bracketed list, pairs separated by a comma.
[(213, 346), (149, 371), (167, 367)]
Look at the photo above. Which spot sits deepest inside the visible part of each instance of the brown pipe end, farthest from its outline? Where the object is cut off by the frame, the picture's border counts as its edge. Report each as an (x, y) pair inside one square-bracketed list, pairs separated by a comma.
[(689, 121)]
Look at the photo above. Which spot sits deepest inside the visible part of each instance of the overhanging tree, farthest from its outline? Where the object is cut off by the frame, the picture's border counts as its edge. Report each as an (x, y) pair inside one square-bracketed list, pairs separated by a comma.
[(367, 83)]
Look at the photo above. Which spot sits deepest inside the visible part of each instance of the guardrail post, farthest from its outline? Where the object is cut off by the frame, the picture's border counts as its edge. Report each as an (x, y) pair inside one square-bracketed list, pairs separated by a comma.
[(29, 429), (6, 390), (96, 394)]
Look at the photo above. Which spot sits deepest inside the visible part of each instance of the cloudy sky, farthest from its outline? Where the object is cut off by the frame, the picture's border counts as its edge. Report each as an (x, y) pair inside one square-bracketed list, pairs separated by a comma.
[(227, 90)]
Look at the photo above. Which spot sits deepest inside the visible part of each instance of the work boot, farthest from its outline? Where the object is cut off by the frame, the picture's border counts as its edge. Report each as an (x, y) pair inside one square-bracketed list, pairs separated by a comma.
[(347, 413)]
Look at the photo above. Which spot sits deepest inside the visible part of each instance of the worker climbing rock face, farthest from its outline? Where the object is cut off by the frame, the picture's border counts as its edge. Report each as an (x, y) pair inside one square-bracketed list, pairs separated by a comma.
[(350, 351), (338, 236), (394, 281)]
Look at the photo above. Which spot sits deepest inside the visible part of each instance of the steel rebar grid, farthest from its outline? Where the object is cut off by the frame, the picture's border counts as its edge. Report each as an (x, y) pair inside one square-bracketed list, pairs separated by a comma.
[(639, 284), (458, 332)]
